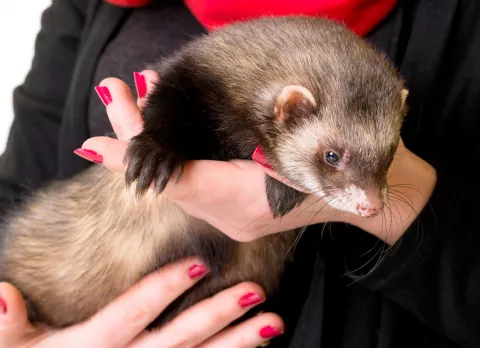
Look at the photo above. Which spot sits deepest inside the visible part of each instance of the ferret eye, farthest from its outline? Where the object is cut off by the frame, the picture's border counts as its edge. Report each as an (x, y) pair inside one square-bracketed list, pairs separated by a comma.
[(332, 157)]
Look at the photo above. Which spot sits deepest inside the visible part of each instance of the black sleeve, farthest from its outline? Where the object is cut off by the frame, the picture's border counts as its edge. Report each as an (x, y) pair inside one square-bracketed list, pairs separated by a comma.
[(30, 158), (434, 270)]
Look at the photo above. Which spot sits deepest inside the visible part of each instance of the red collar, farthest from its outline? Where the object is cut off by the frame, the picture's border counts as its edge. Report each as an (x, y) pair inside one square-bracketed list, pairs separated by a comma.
[(360, 16)]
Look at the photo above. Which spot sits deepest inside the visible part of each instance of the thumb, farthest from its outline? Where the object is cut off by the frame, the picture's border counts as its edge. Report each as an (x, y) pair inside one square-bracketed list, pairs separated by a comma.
[(14, 324)]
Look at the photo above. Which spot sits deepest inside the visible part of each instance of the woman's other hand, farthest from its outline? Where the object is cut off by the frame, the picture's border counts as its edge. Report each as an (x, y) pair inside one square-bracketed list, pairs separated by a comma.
[(122, 323)]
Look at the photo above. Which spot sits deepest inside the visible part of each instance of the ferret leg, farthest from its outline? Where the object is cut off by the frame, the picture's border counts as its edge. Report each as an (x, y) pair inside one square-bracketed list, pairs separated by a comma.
[(174, 132)]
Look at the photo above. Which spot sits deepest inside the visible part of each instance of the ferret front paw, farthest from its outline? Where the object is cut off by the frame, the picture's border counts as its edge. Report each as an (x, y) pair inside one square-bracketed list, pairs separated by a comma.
[(149, 163)]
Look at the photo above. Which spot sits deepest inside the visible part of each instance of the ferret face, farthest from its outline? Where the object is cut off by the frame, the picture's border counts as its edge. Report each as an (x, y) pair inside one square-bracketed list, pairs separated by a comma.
[(350, 173), (342, 156)]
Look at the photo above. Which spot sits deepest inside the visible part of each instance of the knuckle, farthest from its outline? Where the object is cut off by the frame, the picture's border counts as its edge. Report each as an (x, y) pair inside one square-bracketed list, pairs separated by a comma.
[(221, 312), (140, 315), (223, 315), (176, 288), (165, 284)]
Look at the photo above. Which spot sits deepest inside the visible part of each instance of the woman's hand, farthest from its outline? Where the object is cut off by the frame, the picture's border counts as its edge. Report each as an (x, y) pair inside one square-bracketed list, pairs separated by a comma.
[(122, 323), (231, 195)]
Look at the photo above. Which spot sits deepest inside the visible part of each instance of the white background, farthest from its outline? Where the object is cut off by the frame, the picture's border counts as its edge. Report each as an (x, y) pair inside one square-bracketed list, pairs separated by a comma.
[(19, 25)]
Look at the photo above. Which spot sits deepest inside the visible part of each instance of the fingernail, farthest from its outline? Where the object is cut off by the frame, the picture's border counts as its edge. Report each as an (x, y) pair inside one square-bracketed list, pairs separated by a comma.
[(197, 271), (141, 84), (270, 332), (89, 155), (259, 157), (104, 94), (3, 306), (249, 299)]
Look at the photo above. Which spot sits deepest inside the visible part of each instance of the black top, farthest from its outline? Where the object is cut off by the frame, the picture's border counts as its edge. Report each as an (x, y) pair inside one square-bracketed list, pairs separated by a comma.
[(148, 34), (426, 290)]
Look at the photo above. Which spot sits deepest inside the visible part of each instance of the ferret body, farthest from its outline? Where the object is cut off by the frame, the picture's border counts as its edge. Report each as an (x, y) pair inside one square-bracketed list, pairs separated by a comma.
[(325, 107), (79, 244)]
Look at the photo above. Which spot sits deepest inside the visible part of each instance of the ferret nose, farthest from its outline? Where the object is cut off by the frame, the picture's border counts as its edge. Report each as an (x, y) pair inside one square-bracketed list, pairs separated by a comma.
[(367, 202), (368, 210)]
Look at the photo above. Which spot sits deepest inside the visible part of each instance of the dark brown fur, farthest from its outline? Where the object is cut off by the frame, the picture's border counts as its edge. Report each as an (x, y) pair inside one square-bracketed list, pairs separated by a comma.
[(78, 244)]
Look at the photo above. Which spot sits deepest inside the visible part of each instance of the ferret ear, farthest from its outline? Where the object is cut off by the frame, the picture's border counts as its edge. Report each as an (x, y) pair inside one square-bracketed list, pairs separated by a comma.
[(404, 95), (294, 101)]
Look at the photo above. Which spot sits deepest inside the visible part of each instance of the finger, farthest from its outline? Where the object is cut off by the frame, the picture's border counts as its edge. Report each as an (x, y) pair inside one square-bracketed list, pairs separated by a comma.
[(128, 315), (111, 150), (206, 318), (145, 82), (122, 110), (254, 332), (14, 324)]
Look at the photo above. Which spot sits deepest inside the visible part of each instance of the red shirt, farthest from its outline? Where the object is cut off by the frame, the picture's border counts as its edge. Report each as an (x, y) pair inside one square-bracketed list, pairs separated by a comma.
[(360, 16)]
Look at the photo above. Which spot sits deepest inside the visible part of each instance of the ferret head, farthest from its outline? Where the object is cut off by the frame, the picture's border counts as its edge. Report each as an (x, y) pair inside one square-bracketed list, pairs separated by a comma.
[(341, 146)]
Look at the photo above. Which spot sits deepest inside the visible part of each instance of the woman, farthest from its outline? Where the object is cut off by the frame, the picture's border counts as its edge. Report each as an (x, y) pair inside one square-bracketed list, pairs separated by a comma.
[(423, 293)]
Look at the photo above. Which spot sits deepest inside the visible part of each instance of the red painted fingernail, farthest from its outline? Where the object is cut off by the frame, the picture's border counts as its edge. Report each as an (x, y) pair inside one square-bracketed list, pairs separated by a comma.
[(197, 271), (3, 306), (259, 157), (249, 299), (270, 332), (141, 84), (89, 155), (104, 94)]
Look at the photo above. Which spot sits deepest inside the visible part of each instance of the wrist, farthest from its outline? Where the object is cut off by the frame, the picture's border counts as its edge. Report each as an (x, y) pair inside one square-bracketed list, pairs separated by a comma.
[(411, 183)]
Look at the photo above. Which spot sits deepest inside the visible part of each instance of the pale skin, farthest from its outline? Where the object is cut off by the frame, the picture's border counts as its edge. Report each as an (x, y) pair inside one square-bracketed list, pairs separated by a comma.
[(230, 196)]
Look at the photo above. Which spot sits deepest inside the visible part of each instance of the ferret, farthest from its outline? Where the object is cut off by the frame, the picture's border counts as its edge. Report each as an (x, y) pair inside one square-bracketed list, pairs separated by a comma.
[(325, 106)]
